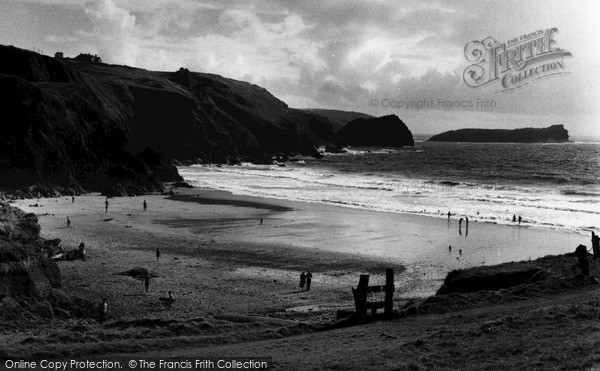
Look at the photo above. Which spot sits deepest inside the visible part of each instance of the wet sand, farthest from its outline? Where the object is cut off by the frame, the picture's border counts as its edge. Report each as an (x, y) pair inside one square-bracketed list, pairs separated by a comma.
[(218, 258)]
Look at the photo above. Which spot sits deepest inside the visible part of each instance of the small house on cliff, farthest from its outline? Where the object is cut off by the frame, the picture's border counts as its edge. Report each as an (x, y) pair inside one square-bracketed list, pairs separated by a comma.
[(88, 58)]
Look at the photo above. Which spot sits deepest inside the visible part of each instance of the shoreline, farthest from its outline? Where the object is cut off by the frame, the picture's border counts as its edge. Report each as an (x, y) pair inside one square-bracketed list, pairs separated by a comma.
[(421, 246), (364, 240), (264, 181), (237, 296)]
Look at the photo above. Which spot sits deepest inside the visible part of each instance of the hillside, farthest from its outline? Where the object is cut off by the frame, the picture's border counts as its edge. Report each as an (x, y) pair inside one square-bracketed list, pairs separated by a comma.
[(385, 131), (90, 126), (337, 117), (551, 134)]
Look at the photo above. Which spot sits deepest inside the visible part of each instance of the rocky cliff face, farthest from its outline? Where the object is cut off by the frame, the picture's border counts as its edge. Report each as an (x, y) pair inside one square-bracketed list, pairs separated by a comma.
[(552, 134), (115, 129), (385, 131), (23, 268), (29, 281)]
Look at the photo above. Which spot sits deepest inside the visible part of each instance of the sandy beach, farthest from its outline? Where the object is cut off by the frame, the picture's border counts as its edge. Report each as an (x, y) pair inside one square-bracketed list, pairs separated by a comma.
[(213, 229), (232, 273), (214, 249)]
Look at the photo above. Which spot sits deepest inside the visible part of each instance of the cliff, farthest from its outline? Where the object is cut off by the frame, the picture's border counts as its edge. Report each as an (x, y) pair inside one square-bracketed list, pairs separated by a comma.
[(385, 131), (78, 126), (337, 117), (29, 281), (552, 134)]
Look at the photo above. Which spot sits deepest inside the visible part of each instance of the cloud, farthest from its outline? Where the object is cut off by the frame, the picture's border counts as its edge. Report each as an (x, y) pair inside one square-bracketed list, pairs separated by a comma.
[(114, 32), (337, 53)]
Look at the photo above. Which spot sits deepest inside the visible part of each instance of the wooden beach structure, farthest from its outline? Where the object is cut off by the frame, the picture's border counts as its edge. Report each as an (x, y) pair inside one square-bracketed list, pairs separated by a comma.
[(362, 291)]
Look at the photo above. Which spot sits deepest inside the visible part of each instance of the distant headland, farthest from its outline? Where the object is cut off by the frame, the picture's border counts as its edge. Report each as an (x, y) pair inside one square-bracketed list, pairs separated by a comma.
[(551, 134)]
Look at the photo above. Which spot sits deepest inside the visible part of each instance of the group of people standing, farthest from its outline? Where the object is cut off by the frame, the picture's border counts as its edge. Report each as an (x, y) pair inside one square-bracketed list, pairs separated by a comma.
[(305, 279)]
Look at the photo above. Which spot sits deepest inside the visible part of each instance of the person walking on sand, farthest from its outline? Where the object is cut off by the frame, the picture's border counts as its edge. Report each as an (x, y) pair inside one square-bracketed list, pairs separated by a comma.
[(520, 219), (448, 215), (514, 218), (68, 222), (145, 205), (302, 280), (103, 310), (147, 281), (82, 251), (72, 199), (308, 280), (157, 254), (106, 205)]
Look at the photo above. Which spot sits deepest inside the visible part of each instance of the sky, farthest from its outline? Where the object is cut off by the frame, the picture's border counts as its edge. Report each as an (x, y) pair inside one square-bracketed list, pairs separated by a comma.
[(378, 57)]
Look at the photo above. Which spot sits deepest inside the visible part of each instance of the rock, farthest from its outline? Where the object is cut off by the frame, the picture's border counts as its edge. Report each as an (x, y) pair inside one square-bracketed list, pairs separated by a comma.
[(477, 279), (335, 148), (29, 281), (182, 185), (551, 134), (385, 131), (15, 224), (10, 310)]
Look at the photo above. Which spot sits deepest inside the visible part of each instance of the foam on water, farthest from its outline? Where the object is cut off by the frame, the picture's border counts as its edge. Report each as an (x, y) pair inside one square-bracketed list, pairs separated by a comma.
[(541, 206)]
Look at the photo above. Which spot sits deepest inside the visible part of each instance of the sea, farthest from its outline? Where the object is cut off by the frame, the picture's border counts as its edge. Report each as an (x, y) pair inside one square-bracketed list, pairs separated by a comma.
[(551, 186)]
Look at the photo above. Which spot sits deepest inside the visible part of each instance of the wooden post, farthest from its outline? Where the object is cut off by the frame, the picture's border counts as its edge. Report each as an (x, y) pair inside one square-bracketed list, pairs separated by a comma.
[(596, 245), (581, 253), (389, 292), (360, 295)]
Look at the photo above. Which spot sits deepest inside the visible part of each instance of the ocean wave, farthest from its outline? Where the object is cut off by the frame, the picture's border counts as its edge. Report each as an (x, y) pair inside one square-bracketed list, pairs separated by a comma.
[(543, 205), (572, 192)]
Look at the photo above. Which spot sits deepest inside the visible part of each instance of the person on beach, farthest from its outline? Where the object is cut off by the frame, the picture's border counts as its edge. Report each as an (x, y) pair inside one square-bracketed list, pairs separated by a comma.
[(261, 221), (106, 205), (72, 199), (448, 215), (302, 280), (147, 281), (82, 251), (103, 310), (145, 205), (520, 219), (308, 280), (68, 222), (157, 254), (514, 218), (449, 248)]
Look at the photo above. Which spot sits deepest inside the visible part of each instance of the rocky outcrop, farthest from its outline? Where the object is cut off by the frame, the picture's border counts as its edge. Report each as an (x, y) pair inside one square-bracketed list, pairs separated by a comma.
[(78, 126), (552, 134), (29, 281), (385, 131), (23, 268)]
